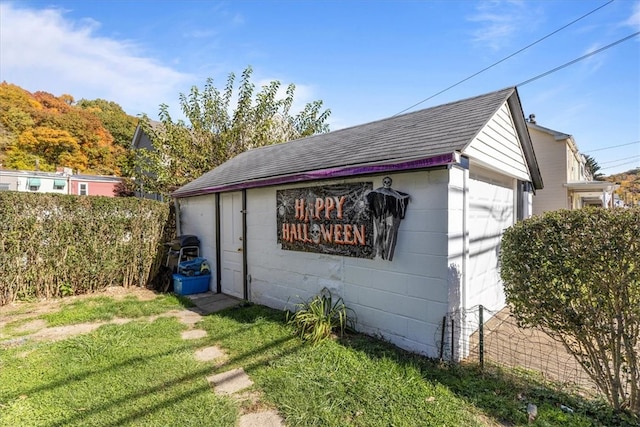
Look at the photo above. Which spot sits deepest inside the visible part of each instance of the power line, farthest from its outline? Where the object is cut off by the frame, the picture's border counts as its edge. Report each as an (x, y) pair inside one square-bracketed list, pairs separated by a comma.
[(505, 58), (613, 146), (621, 164), (619, 160), (578, 59)]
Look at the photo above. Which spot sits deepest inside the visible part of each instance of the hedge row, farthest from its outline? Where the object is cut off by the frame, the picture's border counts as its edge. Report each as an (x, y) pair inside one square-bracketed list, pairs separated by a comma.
[(577, 275), (54, 245)]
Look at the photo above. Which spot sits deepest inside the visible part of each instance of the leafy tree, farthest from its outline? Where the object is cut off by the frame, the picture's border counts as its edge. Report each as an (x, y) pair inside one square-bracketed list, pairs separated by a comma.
[(629, 189), (51, 147), (43, 131), (217, 130), (576, 274), (121, 125), (125, 188), (17, 120), (593, 167), (15, 158), (12, 96)]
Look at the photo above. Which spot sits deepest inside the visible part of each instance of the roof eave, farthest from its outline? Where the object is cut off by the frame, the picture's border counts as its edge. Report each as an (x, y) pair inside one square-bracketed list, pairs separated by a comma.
[(592, 185), (527, 146), (329, 173), (135, 142)]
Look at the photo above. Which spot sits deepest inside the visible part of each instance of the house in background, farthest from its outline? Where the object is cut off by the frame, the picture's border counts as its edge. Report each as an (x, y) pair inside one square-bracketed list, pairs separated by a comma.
[(62, 182), (401, 217), (568, 183), (35, 181), (93, 185), (141, 140)]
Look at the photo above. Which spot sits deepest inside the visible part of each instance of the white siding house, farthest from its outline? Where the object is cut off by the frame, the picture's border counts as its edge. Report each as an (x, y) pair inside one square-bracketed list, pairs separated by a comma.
[(569, 184), (460, 173)]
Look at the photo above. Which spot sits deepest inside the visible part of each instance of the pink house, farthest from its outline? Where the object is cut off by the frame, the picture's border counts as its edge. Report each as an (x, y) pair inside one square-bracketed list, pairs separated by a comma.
[(93, 185)]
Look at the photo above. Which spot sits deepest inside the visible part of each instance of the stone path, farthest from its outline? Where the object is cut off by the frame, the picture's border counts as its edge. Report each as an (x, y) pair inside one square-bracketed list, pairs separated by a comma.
[(233, 382)]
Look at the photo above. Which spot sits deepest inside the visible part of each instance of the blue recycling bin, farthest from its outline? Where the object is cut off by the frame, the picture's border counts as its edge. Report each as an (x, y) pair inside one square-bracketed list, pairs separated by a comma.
[(189, 285)]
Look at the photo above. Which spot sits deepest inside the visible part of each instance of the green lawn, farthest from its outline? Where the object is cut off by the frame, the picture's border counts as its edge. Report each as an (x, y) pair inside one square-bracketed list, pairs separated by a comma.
[(144, 373)]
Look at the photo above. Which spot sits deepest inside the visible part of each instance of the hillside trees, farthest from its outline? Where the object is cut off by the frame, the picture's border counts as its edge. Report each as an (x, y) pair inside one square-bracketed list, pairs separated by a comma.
[(42, 131), (218, 127), (113, 118), (576, 274), (629, 190)]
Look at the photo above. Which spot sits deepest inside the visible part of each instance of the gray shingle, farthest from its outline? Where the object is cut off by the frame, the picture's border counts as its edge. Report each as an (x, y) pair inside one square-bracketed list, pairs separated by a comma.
[(434, 131)]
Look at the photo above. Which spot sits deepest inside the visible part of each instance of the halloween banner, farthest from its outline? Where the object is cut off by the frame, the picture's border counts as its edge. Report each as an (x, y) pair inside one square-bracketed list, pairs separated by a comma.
[(345, 219), (332, 219)]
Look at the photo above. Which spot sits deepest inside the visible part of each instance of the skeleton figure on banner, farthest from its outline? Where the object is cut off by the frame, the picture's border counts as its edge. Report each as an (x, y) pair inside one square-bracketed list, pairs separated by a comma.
[(387, 207)]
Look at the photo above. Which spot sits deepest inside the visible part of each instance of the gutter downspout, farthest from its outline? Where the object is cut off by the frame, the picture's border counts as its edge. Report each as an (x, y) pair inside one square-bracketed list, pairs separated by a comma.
[(464, 285), (458, 256)]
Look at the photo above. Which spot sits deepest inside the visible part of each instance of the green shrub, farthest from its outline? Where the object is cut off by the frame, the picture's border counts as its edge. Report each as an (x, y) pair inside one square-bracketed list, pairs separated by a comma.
[(316, 318), (54, 245), (577, 275)]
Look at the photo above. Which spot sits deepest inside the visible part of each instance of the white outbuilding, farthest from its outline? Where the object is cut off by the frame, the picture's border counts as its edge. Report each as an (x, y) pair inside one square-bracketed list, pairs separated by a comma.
[(401, 217)]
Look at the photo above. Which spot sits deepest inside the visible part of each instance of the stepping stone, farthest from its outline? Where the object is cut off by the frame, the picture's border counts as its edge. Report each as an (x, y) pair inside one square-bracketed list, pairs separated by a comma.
[(59, 333), (230, 382), (188, 317), (261, 419), (33, 325), (209, 353), (207, 303), (193, 334)]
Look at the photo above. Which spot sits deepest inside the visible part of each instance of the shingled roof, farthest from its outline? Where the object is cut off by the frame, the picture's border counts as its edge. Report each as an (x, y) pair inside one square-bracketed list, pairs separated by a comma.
[(427, 138)]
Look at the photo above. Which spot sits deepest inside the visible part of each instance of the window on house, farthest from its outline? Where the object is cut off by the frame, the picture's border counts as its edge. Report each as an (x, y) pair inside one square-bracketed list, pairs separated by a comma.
[(4, 186), (59, 184), (33, 184), (83, 189), (524, 188)]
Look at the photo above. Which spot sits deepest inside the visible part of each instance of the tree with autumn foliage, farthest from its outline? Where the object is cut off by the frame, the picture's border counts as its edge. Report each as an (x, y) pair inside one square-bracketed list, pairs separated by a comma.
[(629, 186), (51, 147), (216, 131), (41, 131), (113, 118)]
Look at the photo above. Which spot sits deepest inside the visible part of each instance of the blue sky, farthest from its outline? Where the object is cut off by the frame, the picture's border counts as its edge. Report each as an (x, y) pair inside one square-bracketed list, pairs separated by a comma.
[(366, 60)]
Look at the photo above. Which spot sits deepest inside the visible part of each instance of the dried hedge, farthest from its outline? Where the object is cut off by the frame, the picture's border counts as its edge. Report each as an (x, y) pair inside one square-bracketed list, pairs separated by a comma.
[(54, 245)]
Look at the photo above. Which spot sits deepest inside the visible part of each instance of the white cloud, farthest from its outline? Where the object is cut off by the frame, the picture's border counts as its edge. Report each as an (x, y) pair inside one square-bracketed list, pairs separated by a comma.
[(596, 61), (42, 50), (634, 19), (498, 22)]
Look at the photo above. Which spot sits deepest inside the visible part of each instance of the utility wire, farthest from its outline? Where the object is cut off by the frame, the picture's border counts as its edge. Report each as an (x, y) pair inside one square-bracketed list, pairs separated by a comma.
[(620, 160), (578, 59), (505, 58), (621, 164), (613, 146)]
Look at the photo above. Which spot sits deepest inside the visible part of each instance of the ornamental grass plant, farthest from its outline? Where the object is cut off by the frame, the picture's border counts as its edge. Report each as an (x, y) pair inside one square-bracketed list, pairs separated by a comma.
[(320, 316)]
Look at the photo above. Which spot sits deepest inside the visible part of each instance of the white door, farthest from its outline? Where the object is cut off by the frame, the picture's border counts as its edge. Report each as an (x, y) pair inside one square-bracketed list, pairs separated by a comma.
[(231, 276)]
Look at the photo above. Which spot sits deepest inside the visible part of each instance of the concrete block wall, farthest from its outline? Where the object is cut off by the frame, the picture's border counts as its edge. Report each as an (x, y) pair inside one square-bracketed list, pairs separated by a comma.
[(491, 211), (402, 300)]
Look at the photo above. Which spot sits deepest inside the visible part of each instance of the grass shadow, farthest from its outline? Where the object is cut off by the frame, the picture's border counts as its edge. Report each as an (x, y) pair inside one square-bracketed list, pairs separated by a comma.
[(500, 393)]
